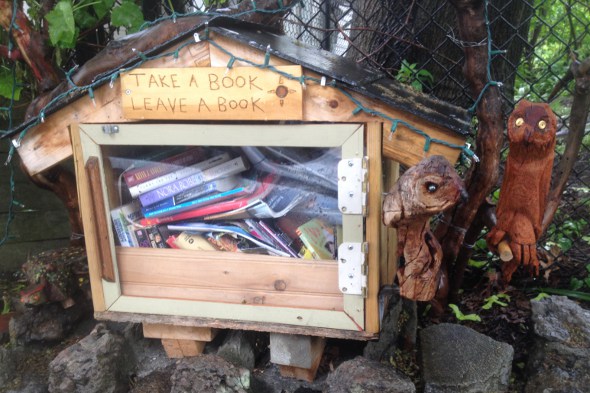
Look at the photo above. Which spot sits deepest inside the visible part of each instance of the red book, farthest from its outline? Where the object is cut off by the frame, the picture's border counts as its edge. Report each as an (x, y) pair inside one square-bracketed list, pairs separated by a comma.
[(263, 188), (152, 170)]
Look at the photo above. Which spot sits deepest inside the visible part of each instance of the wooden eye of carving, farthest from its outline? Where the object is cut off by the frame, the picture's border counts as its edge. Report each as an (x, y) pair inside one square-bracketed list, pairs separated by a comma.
[(542, 124), (519, 121), (431, 187)]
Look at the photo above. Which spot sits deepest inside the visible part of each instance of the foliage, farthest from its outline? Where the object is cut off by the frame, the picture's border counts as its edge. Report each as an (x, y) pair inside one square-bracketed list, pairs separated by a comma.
[(567, 292), (463, 317), (417, 79), (9, 84), (127, 15), (495, 299)]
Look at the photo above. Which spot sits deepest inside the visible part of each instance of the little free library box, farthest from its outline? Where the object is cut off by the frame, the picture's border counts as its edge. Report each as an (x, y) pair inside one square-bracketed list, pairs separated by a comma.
[(232, 178)]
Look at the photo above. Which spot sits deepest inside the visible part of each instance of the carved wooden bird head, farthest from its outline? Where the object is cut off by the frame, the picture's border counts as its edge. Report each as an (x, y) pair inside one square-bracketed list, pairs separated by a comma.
[(532, 124), (425, 189)]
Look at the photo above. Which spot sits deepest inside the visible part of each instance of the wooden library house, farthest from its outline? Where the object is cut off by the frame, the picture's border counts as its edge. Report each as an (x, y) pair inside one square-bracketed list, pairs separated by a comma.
[(230, 177)]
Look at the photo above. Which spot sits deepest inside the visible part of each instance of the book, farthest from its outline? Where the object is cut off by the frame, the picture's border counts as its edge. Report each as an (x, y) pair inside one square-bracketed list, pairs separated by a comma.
[(122, 217), (246, 189), (152, 170), (160, 181), (218, 185), (318, 238), (201, 227), (227, 168), (278, 238), (191, 241), (261, 189), (141, 237), (155, 237)]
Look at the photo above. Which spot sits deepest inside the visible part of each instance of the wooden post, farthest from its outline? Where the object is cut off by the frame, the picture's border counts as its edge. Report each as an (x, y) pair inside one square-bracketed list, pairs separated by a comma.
[(180, 341)]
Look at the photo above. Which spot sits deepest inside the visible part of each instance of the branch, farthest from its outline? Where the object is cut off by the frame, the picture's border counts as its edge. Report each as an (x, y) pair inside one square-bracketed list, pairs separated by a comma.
[(482, 176), (578, 119), (31, 46), (13, 55)]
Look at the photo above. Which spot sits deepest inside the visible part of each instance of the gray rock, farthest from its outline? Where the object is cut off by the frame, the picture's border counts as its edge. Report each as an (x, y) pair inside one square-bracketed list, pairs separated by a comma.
[(209, 374), (457, 359), (361, 375), (559, 361), (48, 322), (398, 329), (270, 380), (242, 348), (10, 357), (97, 363), (32, 387)]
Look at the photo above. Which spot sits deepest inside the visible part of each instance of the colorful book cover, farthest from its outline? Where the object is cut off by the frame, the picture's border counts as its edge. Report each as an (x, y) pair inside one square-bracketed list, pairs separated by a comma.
[(261, 189), (154, 169), (160, 181), (219, 185), (318, 238), (205, 200), (228, 168)]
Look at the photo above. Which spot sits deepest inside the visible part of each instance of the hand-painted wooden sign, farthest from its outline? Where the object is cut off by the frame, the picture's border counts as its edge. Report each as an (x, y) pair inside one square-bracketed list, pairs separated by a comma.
[(216, 93)]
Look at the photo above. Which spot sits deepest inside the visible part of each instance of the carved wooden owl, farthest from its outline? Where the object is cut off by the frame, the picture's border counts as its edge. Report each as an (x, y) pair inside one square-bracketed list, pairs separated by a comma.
[(422, 191), (527, 178)]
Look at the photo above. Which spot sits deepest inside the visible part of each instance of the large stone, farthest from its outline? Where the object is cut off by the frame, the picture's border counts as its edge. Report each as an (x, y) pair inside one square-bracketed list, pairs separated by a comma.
[(243, 348), (9, 360), (398, 329), (457, 359), (98, 363), (560, 358), (361, 375), (48, 322), (209, 374)]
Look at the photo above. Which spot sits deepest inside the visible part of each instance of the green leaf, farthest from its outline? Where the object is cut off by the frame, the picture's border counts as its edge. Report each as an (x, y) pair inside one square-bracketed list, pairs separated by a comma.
[(127, 15), (6, 84), (102, 8), (62, 27), (576, 283), (494, 299), (541, 296), (565, 292), (84, 19), (476, 264), (462, 317)]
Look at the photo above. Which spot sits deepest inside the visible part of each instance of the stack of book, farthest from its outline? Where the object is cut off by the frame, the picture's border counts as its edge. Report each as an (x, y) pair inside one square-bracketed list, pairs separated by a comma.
[(191, 200)]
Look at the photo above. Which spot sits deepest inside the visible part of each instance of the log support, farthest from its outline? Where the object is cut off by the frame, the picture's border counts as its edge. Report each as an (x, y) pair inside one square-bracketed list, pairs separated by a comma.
[(180, 341), (297, 356)]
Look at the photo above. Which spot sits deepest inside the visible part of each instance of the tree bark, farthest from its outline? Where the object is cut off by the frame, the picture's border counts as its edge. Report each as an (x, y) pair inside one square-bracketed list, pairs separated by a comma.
[(482, 176), (578, 118), (31, 46)]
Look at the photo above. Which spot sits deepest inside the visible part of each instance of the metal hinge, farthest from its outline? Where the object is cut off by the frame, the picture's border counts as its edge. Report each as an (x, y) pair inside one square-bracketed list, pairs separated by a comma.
[(352, 268), (352, 186)]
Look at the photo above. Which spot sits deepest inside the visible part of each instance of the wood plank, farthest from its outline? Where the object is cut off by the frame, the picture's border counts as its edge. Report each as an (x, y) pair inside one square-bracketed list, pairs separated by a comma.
[(233, 324), (389, 256), (373, 226), (49, 143), (176, 349), (211, 93), (96, 194), (226, 270), (85, 201), (163, 331), (235, 296)]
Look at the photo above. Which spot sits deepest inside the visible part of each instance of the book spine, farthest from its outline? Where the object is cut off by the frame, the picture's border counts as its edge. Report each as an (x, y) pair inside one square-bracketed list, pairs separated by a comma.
[(219, 185), (227, 168), (206, 200), (160, 181), (277, 239), (121, 217), (168, 202), (150, 171), (155, 237)]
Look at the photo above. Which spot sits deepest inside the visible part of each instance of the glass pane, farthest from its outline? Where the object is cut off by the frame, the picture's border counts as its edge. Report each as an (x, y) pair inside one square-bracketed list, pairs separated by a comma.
[(264, 200)]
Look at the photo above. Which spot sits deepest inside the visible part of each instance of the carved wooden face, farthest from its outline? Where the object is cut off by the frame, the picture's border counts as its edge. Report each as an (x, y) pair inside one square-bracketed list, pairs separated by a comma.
[(532, 124), (427, 188)]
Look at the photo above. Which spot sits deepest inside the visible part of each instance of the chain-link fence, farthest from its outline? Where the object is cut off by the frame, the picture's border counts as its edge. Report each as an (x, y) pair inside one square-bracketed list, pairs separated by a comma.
[(415, 42)]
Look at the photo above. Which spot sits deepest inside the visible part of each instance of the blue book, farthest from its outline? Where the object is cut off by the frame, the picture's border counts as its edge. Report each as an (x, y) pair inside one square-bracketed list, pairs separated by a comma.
[(204, 200), (219, 185)]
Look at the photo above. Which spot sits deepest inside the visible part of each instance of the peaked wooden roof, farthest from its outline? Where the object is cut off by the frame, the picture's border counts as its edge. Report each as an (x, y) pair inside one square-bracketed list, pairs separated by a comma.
[(364, 80)]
